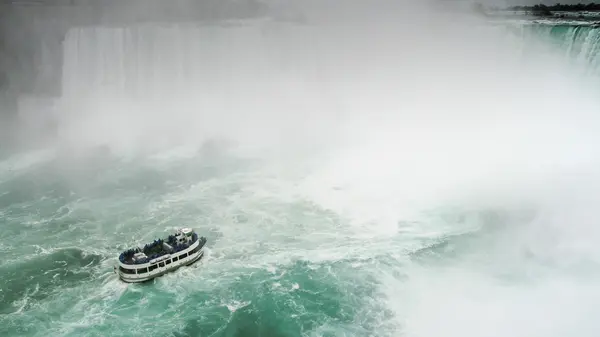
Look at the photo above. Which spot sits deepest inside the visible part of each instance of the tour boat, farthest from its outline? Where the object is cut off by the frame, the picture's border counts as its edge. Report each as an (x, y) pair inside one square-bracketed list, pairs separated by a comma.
[(161, 256)]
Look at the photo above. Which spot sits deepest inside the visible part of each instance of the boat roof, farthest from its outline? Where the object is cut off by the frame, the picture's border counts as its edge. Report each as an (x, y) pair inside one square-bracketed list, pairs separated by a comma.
[(186, 230)]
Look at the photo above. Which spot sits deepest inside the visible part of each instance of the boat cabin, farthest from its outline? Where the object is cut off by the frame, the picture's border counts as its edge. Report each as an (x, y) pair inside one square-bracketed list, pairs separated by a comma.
[(184, 236)]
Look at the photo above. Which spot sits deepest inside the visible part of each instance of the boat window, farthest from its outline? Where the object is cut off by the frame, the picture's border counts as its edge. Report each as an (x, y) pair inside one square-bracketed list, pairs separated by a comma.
[(127, 271), (195, 250), (168, 261), (161, 264), (142, 270), (184, 255), (175, 258), (152, 267)]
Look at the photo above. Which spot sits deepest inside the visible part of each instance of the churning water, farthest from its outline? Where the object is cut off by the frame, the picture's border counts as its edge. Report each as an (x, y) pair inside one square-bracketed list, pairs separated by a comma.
[(411, 177)]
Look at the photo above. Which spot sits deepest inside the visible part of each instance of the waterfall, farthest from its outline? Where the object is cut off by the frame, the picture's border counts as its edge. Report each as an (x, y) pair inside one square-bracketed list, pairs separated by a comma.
[(579, 44), (166, 78), (144, 62)]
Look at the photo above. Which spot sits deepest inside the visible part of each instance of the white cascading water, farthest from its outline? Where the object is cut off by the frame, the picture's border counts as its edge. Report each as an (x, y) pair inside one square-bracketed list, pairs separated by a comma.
[(186, 80)]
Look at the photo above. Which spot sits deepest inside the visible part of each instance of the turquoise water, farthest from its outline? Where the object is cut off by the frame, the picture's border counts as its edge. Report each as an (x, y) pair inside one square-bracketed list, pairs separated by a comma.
[(262, 278), (346, 238)]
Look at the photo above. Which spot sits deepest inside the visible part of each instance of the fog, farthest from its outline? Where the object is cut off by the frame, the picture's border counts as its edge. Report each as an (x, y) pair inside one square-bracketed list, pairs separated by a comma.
[(424, 93), (416, 85), (400, 101)]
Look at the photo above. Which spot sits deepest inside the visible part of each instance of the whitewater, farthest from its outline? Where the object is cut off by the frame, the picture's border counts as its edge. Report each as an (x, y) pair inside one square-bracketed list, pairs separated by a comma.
[(376, 172)]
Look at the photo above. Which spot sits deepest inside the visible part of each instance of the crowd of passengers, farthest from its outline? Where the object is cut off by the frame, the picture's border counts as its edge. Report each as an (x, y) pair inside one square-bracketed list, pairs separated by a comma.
[(155, 249)]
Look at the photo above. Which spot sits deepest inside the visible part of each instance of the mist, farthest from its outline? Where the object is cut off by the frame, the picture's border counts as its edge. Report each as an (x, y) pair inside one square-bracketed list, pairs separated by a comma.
[(399, 106), (401, 66)]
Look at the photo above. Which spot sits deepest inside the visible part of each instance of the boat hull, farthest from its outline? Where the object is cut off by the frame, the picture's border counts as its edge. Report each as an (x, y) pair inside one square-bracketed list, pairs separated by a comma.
[(128, 278)]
